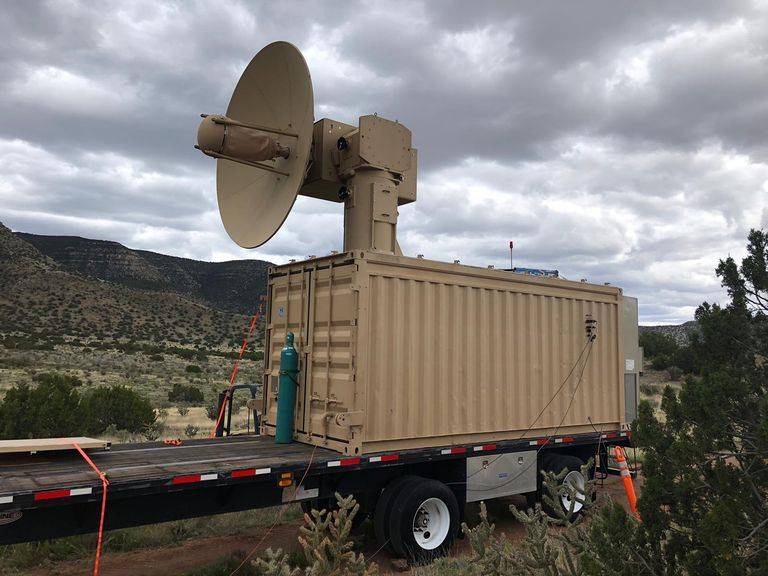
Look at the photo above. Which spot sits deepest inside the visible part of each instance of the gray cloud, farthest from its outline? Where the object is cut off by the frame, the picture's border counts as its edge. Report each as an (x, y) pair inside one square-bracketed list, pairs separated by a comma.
[(623, 142)]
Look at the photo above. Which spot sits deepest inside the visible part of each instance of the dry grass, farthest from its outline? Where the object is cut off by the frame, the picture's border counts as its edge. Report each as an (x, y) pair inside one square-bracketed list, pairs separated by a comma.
[(176, 425), (152, 378)]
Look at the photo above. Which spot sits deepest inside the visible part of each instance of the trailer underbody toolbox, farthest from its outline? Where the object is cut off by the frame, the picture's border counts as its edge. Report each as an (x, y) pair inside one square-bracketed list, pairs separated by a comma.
[(56, 494)]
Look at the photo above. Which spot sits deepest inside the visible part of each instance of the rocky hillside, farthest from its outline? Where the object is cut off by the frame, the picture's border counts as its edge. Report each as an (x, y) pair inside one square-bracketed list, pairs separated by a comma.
[(681, 333), (79, 287), (234, 286)]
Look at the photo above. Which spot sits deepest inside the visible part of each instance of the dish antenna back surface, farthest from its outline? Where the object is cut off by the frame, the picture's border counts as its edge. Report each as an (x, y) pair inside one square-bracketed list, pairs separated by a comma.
[(269, 149)]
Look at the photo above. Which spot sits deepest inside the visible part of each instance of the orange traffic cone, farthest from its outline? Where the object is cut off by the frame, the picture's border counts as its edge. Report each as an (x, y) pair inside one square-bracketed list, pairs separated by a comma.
[(627, 479)]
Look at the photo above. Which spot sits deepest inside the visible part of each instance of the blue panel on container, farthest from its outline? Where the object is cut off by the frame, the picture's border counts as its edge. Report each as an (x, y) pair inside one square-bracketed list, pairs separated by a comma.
[(535, 272)]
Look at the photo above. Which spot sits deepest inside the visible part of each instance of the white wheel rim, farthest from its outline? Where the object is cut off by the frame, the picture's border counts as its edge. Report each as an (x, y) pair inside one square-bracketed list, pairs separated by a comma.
[(431, 523), (576, 481)]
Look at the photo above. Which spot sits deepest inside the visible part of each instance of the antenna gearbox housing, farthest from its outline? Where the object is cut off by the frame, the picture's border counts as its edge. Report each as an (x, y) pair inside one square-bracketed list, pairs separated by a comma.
[(400, 353)]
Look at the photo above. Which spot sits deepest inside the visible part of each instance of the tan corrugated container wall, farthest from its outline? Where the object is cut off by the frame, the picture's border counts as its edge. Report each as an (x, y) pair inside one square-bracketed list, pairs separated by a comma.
[(422, 353)]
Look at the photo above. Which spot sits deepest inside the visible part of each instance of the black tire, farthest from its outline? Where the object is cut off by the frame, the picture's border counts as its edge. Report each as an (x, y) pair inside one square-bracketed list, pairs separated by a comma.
[(556, 463), (384, 508), (414, 501)]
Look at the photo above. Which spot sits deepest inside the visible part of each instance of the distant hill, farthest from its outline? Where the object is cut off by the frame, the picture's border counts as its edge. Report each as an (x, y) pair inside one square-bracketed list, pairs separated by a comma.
[(64, 285), (235, 286), (681, 332)]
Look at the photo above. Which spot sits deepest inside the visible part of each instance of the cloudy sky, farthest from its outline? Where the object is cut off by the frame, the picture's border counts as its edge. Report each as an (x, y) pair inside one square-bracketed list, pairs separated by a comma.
[(622, 142)]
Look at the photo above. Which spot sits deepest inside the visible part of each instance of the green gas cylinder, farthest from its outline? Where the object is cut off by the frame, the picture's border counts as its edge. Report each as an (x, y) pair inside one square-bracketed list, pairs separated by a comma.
[(286, 394)]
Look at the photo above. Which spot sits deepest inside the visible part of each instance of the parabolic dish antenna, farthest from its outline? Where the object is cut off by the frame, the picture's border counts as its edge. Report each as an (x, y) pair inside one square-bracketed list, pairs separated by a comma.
[(269, 149), (272, 111)]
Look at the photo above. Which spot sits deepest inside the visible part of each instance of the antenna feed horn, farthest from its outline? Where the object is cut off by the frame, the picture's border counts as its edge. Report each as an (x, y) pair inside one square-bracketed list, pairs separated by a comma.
[(222, 137)]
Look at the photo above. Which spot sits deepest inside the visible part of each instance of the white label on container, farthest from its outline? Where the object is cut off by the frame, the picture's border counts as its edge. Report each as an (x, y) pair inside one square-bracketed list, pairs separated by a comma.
[(629, 365)]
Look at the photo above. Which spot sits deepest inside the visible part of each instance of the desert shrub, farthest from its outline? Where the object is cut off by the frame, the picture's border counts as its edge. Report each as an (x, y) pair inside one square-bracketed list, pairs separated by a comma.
[(51, 408), (674, 373), (649, 389), (193, 369), (154, 431), (661, 362), (156, 357), (212, 411), (655, 344), (68, 379), (191, 430), (184, 393), (183, 410), (117, 406), (685, 357)]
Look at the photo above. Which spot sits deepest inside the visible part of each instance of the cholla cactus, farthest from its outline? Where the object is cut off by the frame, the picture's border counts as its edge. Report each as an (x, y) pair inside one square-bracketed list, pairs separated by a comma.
[(327, 544), (492, 554), (554, 541), (275, 564), (548, 552)]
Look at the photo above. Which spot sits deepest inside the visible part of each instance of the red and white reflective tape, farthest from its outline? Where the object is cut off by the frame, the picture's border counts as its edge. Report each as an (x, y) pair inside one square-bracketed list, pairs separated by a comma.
[(192, 478), (484, 448), (64, 493), (609, 435), (6, 499), (247, 472), (623, 468), (384, 458), (344, 462), (454, 450)]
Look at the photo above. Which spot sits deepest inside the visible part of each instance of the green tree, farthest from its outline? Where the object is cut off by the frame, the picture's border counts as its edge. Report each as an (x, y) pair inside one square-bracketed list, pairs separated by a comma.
[(656, 344), (182, 393), (49, 409), (705, 500), (116, 406)]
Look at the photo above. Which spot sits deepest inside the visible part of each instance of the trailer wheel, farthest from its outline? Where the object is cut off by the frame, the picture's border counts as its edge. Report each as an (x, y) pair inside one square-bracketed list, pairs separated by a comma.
[(384, 508), (556, 463), (424, 520)]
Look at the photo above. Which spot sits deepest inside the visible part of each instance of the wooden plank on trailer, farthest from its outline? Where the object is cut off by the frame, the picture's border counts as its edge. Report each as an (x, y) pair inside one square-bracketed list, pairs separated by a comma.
[(49, 444)]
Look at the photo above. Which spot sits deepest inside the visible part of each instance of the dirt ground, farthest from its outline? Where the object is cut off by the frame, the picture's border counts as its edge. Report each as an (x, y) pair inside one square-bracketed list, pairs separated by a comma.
[(196, 553)]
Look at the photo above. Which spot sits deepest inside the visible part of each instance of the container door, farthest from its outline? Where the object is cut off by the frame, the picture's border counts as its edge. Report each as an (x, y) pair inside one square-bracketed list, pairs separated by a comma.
[(288, 312), (330, 373)]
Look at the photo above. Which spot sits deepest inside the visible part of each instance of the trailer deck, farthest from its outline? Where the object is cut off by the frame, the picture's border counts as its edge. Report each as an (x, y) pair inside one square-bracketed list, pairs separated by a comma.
[(55, 494), (125, 464)]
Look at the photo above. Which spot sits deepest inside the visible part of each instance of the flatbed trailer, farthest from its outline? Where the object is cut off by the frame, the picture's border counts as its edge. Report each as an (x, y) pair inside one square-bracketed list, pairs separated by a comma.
[(55, 494)]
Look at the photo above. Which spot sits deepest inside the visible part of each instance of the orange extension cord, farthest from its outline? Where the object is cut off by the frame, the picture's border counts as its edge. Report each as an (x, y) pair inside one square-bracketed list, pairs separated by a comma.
[(104, 484), (235, 368)]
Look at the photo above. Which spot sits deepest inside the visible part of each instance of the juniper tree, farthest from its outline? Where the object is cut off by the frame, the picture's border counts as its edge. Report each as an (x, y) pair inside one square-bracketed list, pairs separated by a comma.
[(705, 500)]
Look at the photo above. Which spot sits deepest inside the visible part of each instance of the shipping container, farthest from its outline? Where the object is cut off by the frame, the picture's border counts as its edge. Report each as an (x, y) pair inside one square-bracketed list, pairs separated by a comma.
[(399, 353)]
